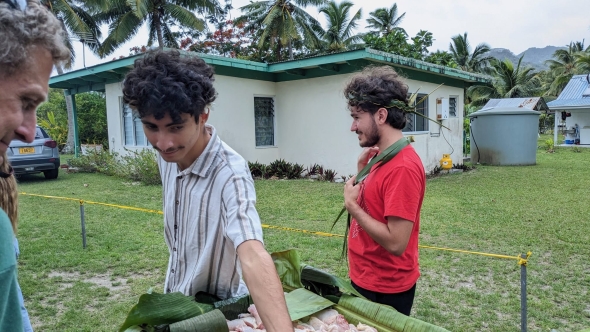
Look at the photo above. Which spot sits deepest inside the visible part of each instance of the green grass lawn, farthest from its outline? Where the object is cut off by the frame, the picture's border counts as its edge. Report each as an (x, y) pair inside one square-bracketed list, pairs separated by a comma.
[(502, 210)]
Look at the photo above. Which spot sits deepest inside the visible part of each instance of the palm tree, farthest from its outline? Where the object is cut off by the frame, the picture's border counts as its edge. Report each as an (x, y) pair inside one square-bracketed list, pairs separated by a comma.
[(461, 51), (125, 17), (385, 20), (282, 22), (583, 62), (507, 82), (563, 66), (339, 35), (78, 23), (442, 58)]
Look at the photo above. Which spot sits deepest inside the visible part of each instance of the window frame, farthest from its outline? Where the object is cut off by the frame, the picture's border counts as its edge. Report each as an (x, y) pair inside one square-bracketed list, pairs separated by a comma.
[(134, 119), (426, 112), (456, 106), (274, 122)]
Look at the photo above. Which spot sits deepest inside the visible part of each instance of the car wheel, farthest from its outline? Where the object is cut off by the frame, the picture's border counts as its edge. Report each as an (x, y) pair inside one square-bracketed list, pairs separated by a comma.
[(52, 174)]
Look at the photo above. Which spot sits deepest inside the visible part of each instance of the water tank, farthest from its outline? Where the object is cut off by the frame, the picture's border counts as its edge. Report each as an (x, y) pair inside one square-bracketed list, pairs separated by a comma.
[(504, 136)]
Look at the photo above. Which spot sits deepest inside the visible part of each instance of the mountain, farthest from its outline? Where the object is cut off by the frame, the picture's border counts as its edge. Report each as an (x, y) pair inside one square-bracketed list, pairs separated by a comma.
[(535, 57)]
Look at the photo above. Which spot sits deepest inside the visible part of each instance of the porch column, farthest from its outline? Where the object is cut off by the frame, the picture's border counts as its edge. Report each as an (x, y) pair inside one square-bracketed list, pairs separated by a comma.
[(76, 135)]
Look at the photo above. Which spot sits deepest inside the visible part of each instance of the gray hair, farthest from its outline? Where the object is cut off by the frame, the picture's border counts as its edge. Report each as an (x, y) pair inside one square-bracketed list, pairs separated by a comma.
[(21, 30)]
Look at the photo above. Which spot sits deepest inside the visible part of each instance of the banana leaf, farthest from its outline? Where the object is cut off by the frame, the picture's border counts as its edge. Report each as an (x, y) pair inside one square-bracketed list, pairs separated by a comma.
[(288, 267), (294, 275), (234, 306), (157, 309), (381, 317), (213, 321), (315, 277), (302, 303)]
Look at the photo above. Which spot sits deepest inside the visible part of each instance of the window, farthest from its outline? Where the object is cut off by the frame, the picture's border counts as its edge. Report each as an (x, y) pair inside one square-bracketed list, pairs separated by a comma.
[(132, 128), (416, 122), (264, 121), (452, 106)]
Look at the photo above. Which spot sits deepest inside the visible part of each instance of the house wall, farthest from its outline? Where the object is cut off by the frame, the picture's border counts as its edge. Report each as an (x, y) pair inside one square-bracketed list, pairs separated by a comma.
[(312, 122), (232, 114), (313, 125), (581, 117)]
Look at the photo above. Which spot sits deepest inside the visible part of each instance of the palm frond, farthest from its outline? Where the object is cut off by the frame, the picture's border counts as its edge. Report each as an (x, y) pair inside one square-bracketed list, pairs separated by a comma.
[(184, 17), (139, 7), (120, 31)]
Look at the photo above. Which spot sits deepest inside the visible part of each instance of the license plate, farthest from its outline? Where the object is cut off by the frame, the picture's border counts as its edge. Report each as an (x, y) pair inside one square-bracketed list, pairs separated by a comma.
[(28, 150)]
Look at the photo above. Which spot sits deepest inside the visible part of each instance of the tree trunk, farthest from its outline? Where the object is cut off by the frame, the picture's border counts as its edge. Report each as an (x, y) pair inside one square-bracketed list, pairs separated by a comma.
[(159, 30), (290, 49), (279, 48), (69, 147)]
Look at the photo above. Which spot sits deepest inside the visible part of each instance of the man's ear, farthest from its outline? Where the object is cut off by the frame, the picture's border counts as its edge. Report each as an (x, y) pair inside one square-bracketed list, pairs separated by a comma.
[(203, 117), (381, 115)]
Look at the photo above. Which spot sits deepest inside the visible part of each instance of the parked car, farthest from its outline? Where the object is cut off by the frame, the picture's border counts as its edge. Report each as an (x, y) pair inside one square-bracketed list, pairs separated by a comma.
[(39, 156)]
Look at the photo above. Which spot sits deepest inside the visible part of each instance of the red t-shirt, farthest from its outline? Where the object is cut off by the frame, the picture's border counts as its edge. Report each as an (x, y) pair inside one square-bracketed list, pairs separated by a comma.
[(395, 189)]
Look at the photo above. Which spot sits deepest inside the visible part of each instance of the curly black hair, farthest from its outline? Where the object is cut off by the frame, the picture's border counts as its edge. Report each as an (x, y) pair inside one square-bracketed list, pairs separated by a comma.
[(376, 87), (166, 82)]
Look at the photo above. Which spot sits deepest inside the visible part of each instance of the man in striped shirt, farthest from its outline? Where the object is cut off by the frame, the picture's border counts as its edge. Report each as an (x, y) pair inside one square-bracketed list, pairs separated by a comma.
[(212, 229)]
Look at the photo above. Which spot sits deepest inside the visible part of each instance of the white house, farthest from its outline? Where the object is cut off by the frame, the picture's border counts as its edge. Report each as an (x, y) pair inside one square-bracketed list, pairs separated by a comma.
[(295, 110), (572, 112)]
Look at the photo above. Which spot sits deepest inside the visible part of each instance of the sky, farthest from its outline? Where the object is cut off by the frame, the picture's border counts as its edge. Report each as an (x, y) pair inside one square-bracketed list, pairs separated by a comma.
[(512, 24)]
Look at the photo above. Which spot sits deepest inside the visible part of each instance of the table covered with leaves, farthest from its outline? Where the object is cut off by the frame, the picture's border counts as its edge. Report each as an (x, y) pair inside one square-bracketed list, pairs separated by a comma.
[(309, 290)]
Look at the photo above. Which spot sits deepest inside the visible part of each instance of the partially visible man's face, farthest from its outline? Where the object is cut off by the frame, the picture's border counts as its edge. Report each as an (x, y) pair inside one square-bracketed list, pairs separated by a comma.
[(177, 142), (20, 95), (364, 125)]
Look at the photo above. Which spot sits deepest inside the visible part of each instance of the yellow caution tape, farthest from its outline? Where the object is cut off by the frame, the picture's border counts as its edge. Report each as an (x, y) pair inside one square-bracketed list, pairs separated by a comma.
[(521, 261), (96, 203), (519, 258)]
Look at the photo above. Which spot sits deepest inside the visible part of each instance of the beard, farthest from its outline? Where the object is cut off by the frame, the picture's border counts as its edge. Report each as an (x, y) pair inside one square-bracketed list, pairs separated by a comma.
[(372, 136)]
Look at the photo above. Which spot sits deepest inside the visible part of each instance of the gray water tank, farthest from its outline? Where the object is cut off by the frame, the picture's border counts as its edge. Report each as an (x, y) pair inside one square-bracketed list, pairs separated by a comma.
[(504, 136)]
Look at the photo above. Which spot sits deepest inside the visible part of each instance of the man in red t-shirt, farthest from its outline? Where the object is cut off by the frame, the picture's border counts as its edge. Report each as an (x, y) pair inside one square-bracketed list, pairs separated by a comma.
[(385, 206)]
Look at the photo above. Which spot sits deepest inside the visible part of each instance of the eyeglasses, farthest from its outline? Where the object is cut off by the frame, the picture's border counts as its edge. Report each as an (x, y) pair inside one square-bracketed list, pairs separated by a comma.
[(5, 175), (16, 4)]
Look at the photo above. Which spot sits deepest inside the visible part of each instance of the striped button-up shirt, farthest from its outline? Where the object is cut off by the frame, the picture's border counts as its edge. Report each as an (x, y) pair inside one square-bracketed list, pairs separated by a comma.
[(209, 210)]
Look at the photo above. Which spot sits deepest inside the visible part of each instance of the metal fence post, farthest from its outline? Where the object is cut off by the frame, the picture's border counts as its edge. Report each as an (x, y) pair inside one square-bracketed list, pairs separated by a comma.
[(523, 304), (83, 224)]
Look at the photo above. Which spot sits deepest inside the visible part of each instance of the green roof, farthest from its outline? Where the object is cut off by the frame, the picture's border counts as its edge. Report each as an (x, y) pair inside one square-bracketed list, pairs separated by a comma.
[(96, 77)]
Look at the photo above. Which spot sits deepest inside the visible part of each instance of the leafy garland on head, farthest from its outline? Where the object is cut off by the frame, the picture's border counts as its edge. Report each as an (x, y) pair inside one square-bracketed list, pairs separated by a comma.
[(386, 155), (409, 107)]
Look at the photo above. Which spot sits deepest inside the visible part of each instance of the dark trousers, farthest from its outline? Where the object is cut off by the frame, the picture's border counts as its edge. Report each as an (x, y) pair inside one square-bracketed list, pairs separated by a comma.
[(402, 302)]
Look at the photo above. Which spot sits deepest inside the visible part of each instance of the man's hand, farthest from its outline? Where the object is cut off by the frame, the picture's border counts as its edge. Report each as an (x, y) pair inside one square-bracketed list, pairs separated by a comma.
[(351, 193), (365, 156), (263, 282)]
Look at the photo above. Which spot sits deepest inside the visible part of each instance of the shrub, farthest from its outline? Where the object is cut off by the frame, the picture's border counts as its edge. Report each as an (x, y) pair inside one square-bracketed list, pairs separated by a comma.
[(58, 131), (435, 171), (279, 168), (548, 145), (463, 167), (142, 166), (97, 162), (138, 165), (295, 171), (329, 175), (313, 169), (258, 170)]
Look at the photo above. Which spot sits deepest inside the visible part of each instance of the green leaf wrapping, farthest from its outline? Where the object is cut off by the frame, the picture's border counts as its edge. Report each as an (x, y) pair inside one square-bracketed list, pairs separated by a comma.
[(288, 267), (213, 321), (156, 309), (311, 274), (383, 318), (302, 303)]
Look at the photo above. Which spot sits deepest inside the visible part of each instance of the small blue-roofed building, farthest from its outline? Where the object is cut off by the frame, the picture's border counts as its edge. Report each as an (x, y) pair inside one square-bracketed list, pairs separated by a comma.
[(572, 112)]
